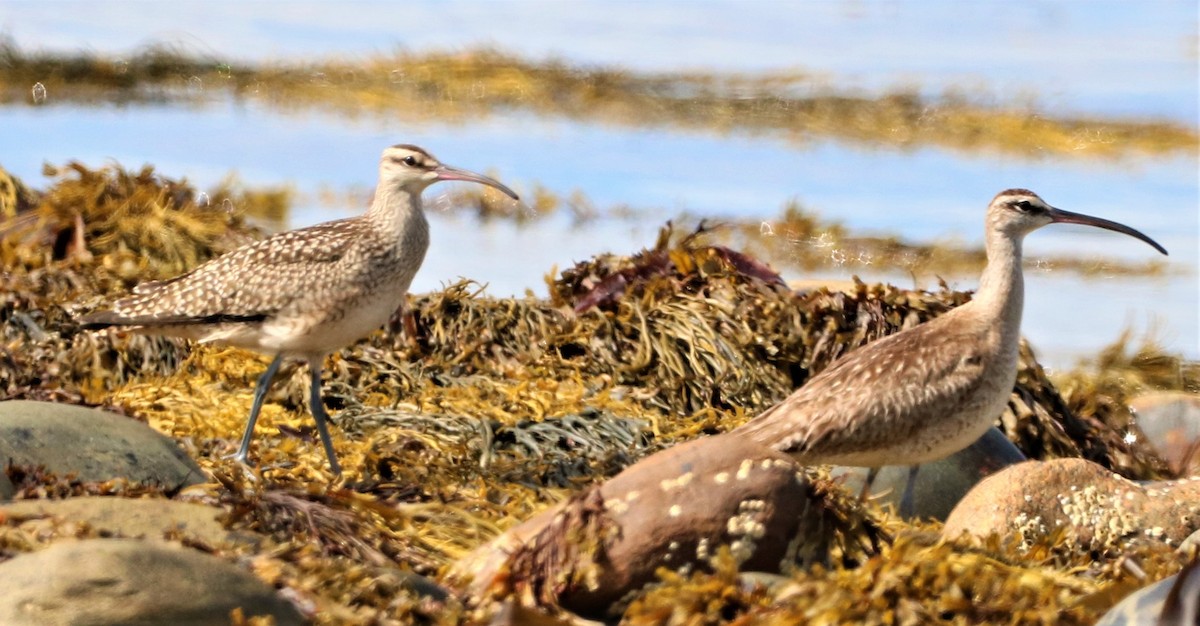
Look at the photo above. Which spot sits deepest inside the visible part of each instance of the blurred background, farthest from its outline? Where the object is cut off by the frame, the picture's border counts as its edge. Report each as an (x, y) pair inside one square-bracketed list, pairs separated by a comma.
[(891, 118)]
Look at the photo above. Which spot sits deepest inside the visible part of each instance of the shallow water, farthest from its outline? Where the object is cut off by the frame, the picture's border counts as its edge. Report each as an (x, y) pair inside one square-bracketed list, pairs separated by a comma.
[(1058, 55)]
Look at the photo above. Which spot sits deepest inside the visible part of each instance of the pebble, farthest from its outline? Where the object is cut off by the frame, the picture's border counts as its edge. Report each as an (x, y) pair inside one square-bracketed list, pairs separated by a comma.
[(94, 445), (1099, 509), (132, 581)]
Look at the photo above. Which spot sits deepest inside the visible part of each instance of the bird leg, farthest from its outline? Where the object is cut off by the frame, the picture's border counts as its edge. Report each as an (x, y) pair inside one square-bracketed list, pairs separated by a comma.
[(907, 506), (319, 414), (260, 393), (872, 472)]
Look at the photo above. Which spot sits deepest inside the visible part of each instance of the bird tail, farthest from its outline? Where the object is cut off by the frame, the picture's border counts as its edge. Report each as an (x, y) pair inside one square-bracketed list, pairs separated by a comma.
[(107, 319), (769, 431), (101, 319)]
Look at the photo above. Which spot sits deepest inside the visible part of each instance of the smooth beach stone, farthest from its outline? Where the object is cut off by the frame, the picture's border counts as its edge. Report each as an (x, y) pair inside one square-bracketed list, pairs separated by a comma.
[(673, 509), (1171, 423), (132, 581), (1100, 509), (129, 517), (940, 484), (94, 445)]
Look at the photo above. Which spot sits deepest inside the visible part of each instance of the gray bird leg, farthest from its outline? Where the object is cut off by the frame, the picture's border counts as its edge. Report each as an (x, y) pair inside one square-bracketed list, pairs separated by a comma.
[(319, 414), (260, 393), (872, 472), (907, 506)]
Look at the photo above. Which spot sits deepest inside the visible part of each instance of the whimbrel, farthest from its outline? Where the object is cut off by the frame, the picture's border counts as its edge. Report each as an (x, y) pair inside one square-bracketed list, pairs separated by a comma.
[(929, 391), (302, 293)]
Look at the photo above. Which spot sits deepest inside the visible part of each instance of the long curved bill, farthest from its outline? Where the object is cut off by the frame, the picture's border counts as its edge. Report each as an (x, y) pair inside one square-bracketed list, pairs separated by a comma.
[(445, 172), (1067, 217)]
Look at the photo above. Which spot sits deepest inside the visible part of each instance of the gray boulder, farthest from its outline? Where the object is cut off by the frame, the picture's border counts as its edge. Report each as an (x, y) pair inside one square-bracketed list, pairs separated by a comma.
[(131, 581), (94, 445)]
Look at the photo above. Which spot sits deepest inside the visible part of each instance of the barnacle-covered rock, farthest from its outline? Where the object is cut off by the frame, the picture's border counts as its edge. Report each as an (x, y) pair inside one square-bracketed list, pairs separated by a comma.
[(671, 510), (1098, 509)]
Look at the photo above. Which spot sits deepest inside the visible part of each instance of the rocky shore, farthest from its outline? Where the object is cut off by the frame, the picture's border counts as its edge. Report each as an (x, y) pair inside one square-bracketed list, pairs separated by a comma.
[(560, 459)]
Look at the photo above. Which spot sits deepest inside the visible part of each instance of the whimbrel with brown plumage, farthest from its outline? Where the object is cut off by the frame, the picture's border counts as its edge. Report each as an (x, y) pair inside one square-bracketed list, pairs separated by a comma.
[(929, 391), (302, 293)]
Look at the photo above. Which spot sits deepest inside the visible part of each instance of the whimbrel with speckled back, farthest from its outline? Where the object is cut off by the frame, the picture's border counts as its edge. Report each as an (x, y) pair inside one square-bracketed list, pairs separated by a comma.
[(929, 391), (302, 293)]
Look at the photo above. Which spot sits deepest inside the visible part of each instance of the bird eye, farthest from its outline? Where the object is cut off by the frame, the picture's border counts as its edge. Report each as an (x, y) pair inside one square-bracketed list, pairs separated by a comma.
[(1023, 206), (409, 160)]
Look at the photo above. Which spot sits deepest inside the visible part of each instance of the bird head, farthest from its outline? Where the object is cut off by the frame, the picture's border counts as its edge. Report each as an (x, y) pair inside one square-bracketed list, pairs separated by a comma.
[(412, 169), (1018, 212)]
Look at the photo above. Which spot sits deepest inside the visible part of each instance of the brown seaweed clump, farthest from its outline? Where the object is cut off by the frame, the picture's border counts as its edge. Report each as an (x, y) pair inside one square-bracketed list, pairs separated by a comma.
[(143, 226), (15, 197)]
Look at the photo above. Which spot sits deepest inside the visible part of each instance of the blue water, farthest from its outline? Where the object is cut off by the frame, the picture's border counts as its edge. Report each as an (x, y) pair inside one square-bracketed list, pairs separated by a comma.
[(1075, 57)]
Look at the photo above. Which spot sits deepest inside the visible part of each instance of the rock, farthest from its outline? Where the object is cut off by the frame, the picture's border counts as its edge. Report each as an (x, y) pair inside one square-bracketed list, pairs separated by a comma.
[(941, 484), (92, 444), (6, 488), (1172, 601), (673, 509), (128, 517), (131, 581), (1100, 509), (1171, 423)]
